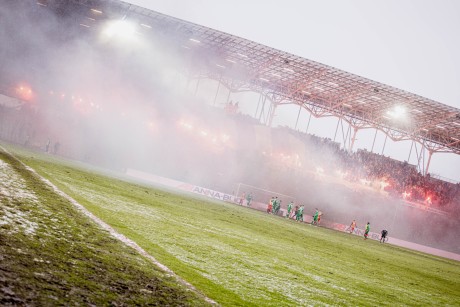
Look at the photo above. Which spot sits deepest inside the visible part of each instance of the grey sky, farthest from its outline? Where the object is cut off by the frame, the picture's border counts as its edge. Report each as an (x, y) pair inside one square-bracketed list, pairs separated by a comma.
[(412, 45)]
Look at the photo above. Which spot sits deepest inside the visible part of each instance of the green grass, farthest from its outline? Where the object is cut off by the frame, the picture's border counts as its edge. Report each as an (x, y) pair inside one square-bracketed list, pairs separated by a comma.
[(242, 257), (51, 254)]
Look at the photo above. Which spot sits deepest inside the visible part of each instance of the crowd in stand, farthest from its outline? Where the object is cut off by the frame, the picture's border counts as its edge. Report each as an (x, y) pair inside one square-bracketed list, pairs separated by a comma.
[(399, 179)]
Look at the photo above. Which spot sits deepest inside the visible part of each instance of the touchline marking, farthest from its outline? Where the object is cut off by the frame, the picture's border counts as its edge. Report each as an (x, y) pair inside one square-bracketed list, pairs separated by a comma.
[(113, 232)]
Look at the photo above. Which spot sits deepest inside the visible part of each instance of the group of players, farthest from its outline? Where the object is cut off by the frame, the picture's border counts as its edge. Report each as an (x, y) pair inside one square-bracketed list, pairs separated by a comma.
[(296, 213), (383, 233)]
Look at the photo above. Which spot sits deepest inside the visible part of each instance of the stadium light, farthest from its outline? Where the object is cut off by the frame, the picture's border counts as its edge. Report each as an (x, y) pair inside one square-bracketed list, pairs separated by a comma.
[(24, 92), (122, 29), (397, 112)]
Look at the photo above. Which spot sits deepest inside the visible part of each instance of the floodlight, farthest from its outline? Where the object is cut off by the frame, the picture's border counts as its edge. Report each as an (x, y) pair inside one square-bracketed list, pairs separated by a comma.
[(24, 92), (120, 29), (397, 112)]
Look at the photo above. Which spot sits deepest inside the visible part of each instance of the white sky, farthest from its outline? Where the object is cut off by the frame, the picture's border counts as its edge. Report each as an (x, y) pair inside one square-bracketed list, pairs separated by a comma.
[(413, 45)]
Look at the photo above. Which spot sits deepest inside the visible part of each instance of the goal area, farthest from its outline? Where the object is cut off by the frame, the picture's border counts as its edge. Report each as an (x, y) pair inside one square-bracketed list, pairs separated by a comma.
[(260, 195)]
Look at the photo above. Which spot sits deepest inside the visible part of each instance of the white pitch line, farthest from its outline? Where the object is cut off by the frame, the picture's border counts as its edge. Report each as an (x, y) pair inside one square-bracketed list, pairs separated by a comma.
[(114, 233)]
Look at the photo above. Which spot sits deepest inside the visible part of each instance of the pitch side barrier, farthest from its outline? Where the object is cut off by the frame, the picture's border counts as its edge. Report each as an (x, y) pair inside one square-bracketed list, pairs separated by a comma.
[(346, 228), (186, 187), (170, 183)]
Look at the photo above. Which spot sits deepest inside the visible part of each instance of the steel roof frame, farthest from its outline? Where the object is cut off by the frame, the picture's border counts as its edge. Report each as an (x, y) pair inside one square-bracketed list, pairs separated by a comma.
[(241, 64)]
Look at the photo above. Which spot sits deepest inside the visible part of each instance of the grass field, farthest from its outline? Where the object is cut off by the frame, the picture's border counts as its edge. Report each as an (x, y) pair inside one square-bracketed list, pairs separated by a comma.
[(234, 255)]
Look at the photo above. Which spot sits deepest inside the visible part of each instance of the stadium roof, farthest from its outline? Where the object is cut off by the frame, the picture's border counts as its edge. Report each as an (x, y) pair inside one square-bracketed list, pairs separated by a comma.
[(284, 78)]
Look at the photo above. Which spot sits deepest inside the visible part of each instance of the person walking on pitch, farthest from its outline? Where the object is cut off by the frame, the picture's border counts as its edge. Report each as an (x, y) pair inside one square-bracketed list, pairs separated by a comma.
[(383, 236), (315, 217), (289, 209), (366, 232), (352, 226)]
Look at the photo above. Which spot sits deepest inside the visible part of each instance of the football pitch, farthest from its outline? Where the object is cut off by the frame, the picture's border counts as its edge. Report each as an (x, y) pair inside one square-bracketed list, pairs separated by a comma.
[(234, 255)]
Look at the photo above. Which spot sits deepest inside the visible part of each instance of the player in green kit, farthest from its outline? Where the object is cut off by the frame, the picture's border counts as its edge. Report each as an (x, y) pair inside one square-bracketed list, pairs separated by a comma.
[(248, 200), (299, 216), (276, 206), (366, 232), (289, 209), (315, 217)]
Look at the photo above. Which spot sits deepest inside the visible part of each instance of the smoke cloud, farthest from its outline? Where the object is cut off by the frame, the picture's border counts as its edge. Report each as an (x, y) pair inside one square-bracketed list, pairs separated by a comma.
[(126, 100)]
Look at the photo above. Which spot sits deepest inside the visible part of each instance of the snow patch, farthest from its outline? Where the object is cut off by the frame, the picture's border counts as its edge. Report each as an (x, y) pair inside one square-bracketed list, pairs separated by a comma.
[(13, 193)]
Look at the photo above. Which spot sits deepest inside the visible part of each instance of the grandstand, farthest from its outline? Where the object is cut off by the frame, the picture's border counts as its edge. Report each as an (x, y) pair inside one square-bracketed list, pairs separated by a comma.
[(282, 78), (240, 65)]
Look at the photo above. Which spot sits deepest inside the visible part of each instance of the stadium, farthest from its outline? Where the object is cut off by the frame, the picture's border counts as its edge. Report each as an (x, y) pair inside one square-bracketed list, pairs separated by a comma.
[(142, 154)]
